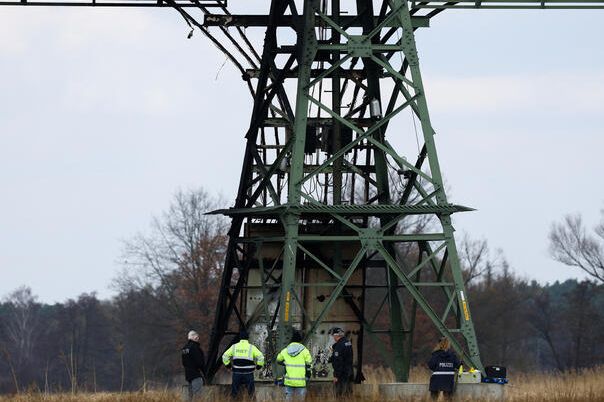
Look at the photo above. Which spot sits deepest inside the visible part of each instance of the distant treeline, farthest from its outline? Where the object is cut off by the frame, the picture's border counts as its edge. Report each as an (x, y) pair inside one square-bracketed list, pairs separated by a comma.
[(132, 341), (170, 284)]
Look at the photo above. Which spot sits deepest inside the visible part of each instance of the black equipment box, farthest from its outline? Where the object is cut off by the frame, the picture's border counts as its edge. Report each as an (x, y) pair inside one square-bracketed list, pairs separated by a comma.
[(495, 372)]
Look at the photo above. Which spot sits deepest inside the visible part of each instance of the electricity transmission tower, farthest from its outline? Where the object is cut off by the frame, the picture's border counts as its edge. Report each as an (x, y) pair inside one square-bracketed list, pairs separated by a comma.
[(341, 217)]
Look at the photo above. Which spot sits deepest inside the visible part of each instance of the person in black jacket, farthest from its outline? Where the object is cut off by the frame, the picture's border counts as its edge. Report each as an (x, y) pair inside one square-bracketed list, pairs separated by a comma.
[(443, 363), (341, 360), (193, 362)]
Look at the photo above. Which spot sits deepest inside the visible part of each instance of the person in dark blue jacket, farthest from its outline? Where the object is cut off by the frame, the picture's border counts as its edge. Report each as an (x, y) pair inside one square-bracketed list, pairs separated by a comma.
[(443, 363), (341, 360)]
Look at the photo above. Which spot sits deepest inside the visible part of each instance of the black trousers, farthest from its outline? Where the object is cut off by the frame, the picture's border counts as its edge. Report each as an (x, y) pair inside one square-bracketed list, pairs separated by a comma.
[(343, 386), (242, 381)]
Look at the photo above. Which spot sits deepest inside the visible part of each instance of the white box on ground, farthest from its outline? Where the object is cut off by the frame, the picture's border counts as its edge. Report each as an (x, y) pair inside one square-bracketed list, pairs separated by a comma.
[(469, 377)]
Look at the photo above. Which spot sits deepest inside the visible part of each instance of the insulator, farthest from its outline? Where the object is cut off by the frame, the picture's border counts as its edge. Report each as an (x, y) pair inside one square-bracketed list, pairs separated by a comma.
[(375, 109), (283, 164)]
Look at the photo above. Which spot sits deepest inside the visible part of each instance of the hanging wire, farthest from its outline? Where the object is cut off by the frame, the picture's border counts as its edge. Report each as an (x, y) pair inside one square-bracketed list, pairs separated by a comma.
[(226, 32), (220, 68), (242, 33), (410, 109), (191, 21)]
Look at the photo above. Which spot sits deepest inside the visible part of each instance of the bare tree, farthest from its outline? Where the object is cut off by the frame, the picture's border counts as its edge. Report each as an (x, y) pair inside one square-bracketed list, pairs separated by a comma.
[(71, 366), (21, 325), (11, 366), (573, 245), (545, 318), (477, 260), (181, 257)]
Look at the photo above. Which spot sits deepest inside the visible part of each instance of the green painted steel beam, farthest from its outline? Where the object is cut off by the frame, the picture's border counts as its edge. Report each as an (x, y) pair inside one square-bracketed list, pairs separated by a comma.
[(403, 238), (347, 210), (307, 44), (427, 308), (256, 20), (467, 326)]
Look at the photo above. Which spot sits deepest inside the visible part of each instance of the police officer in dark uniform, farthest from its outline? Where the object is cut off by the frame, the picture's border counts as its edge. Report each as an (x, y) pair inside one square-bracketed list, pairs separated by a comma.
[(443, 363), (341, 360), (193, 362)]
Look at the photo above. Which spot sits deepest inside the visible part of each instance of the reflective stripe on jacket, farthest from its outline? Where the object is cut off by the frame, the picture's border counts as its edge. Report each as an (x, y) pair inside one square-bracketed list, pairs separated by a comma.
[(297, 360), (443, 364), (243, 356)]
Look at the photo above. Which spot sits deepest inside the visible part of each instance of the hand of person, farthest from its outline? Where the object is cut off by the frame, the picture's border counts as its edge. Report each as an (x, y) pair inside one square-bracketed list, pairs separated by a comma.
[(335, 380)]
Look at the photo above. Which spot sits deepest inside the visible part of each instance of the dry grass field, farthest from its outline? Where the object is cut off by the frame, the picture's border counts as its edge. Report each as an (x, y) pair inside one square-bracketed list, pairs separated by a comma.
[(585, 385)]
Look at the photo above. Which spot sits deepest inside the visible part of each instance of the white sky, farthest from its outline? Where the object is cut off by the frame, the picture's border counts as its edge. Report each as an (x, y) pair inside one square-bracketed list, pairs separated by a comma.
[(104, 114)]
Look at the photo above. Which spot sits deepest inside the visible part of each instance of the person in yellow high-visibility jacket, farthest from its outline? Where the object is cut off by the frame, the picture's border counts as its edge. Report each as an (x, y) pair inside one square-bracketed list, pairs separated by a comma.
[(297, 361), (243, 358)]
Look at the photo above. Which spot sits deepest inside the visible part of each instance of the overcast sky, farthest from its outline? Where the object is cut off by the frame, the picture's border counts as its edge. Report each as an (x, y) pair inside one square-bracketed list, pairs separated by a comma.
[(104, 114)]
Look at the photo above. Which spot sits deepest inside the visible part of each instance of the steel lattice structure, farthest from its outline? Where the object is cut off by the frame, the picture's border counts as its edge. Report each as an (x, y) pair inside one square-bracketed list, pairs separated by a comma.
[(339, 218), (319, 205)]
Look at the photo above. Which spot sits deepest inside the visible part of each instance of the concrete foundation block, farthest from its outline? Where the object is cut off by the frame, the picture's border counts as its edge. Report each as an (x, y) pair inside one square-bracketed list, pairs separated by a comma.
[(478, 392), (482, 392), (381, 392), (365, 391), (395, 391)]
